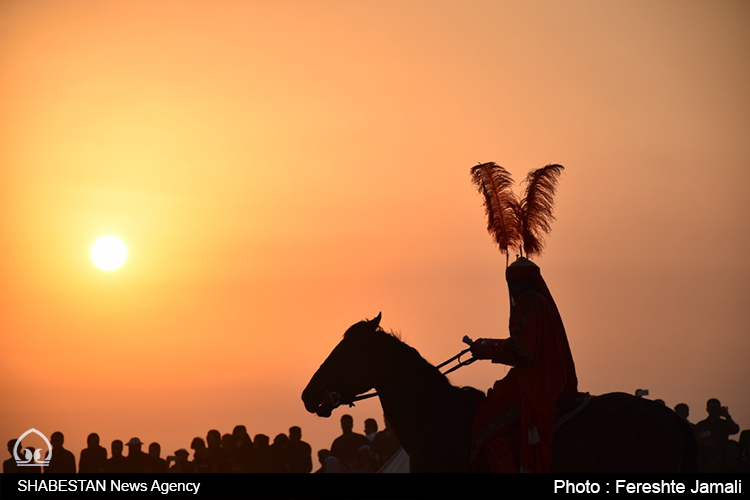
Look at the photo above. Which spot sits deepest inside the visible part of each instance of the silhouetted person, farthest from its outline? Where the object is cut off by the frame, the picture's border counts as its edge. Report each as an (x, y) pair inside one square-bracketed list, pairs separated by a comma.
[(60, 460), (155, 463), (181, 463), (136, 461), (117, 463), (322, 455), (513, 427), (718, 424), (345, 446), (300, 453), (243, 444), (328, 463), (385, 444), (240, 434), (229, 445), (280, 453), (200, 455), (218, 461), (93, 457), (714, 432), (371, 429), (227, 442), (10, 466), (263, 456), (332, 465), (683, 411)]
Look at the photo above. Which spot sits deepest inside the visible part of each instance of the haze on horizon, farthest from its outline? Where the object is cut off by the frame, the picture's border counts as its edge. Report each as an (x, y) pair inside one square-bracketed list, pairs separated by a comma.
[(281, 170)]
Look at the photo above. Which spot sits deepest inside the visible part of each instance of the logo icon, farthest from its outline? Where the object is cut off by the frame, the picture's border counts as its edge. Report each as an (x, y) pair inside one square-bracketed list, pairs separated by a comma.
[(34, 459)]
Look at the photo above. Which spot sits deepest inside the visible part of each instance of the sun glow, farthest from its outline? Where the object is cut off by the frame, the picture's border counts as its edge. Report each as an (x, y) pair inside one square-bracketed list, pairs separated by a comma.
[(108, 253)]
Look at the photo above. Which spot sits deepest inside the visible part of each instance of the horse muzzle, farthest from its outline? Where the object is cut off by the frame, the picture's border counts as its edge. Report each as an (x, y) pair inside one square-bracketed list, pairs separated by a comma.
[(323, 408)]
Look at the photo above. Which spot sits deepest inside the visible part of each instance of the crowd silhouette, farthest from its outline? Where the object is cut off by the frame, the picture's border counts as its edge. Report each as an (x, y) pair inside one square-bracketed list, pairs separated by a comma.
[(351, 452), (717, 452), (217, 453)]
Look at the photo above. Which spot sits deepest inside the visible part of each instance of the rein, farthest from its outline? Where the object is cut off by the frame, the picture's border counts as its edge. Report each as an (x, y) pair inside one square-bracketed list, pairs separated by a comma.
[(337, 400)]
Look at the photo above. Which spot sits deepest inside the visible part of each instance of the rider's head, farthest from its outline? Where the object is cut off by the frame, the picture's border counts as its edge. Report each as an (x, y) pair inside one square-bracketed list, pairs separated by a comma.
[(522, 277)]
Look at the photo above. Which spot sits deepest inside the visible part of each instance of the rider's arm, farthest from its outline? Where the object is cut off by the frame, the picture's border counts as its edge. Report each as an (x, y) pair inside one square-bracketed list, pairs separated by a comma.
[(518, 350), (493, 349), (502, 351)]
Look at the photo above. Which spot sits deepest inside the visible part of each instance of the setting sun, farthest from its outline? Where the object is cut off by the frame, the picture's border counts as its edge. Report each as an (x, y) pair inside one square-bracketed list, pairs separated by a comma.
[(108, 253)]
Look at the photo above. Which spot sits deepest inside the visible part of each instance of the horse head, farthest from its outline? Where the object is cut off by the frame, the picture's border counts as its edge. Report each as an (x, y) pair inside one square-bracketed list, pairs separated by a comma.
[(346, 372)]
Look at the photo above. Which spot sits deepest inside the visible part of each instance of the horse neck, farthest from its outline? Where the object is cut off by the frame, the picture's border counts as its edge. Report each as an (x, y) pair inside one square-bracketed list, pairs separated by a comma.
[(411, 391)]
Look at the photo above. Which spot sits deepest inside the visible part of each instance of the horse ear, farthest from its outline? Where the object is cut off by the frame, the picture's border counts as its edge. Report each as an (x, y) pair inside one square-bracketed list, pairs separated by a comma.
[(375, 322)]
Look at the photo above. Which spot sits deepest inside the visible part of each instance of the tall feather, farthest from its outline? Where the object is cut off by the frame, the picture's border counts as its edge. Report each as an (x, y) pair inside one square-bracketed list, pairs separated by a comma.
[(537, 206), (500, 203)]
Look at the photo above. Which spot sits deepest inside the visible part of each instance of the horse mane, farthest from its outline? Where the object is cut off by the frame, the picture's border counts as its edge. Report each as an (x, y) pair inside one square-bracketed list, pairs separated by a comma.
[(463, 392), (392, 333), (394, 338), (415, 360), (411, 352)]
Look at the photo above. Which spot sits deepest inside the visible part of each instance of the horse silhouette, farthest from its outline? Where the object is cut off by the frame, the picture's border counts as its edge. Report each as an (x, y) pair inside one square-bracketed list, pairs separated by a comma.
[(432, 418)]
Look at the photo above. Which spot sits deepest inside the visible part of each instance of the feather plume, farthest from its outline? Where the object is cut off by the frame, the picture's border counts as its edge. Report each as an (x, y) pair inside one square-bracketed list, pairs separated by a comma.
[(536, 207), (500, 203)]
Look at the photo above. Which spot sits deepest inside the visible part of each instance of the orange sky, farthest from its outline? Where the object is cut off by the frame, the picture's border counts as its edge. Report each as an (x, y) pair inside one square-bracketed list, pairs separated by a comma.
[(280, 170)]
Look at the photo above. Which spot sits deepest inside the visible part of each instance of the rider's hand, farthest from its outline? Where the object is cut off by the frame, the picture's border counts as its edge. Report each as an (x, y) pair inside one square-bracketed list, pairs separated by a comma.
[(484, 348)]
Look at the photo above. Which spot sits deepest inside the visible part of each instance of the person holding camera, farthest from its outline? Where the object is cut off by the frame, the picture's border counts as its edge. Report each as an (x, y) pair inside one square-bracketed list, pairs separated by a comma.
[(719, 425), (713, 435)]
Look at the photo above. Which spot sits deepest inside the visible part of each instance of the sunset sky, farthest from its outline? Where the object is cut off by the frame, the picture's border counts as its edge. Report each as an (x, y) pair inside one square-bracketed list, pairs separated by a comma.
[(282, 169)]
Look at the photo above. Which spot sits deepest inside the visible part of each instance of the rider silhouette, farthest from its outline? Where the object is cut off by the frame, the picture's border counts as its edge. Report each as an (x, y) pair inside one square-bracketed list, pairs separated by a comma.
[(514, 426)]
